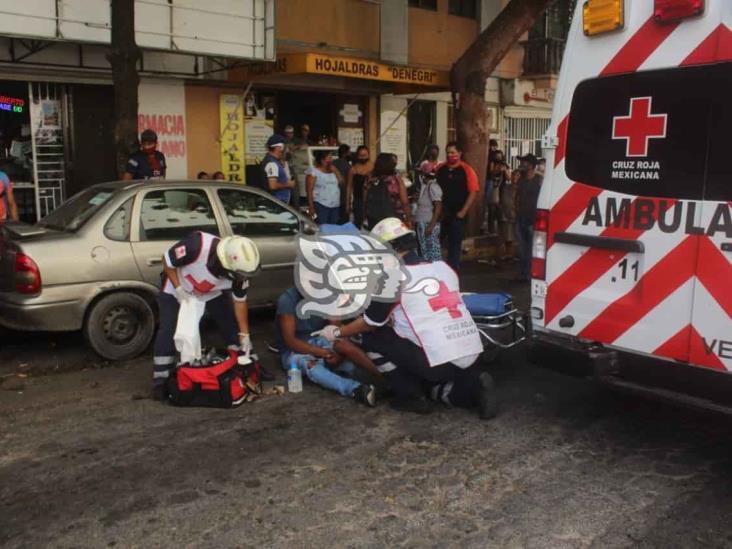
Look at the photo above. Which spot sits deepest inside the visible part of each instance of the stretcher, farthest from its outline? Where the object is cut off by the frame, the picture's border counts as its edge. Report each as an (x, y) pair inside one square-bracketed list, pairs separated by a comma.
[(501, 325)]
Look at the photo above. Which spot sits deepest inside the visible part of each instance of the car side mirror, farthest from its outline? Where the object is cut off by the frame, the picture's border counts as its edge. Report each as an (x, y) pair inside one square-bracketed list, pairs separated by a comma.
[(308, 227)]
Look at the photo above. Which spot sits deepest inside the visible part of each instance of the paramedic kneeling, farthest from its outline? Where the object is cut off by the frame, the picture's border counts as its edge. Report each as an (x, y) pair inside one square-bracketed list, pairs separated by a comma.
[(428, 340), (202, 266)]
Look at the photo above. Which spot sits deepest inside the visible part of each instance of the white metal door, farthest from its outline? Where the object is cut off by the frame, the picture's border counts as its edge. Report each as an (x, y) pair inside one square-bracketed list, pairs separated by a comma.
[(48, 122)]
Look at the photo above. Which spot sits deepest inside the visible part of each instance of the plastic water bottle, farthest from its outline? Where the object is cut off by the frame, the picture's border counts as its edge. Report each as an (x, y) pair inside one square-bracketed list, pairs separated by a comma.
[(294, 379)]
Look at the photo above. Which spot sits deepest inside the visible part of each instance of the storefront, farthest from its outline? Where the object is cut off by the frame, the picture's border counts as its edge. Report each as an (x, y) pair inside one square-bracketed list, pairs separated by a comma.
[(342, 100), (33, 132)]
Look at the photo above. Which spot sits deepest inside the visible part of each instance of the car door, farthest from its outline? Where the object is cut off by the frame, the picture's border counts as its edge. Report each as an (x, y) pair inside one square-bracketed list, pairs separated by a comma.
[(710, 333), (164, 216), (273, 227)]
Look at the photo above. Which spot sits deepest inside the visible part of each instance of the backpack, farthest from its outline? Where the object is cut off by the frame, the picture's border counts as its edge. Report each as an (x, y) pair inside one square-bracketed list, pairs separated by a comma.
[(257, 178), (222, 383), (379, 203)]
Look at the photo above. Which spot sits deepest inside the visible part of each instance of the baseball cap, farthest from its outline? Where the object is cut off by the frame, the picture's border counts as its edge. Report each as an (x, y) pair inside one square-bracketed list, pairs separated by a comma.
[(275, 140)]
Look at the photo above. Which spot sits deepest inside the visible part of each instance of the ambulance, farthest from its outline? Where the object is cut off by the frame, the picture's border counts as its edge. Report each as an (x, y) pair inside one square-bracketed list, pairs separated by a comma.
[(632, 252)]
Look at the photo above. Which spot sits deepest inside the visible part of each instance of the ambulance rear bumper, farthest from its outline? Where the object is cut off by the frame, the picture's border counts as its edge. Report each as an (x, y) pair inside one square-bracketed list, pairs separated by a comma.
[(571, 356)]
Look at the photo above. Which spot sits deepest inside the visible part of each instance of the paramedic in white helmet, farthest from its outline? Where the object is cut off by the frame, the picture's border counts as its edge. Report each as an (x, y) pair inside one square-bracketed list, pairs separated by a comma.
[(216, 270), (426, 344)]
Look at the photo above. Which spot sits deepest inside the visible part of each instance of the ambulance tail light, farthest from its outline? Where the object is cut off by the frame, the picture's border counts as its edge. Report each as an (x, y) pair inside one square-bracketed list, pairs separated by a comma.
[(600, 16), (538, 249), (669, 11)]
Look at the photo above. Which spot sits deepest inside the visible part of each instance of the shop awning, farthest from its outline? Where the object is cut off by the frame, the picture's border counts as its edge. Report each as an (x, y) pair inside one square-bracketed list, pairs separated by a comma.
[(350, 67)]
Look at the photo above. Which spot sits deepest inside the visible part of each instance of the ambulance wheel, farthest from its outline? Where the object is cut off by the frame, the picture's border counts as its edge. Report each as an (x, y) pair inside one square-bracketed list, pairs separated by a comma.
[(120, 326)]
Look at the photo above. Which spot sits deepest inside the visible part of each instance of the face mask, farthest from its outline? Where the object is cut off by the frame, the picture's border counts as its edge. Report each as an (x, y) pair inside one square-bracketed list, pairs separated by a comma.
[(453, 158), (362, 160), (148, 148)]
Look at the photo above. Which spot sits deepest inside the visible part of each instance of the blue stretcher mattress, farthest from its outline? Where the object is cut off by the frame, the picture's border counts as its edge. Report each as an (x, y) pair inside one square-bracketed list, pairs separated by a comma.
[(486, 304)]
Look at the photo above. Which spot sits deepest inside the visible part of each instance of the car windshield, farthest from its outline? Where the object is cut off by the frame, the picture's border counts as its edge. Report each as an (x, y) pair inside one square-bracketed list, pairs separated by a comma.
[(76, 211)]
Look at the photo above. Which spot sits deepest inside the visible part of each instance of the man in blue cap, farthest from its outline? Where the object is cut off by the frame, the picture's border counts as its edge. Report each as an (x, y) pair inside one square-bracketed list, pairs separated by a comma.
[(278, 178)]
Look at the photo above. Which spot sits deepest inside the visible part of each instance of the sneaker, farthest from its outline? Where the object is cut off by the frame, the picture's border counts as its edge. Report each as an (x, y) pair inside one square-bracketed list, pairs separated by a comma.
[(417, 405), (272, 348), (487, 398), (366, 394)]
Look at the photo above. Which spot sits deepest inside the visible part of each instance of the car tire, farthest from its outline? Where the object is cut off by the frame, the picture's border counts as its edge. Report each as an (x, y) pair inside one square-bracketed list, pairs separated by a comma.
[(120, 326)]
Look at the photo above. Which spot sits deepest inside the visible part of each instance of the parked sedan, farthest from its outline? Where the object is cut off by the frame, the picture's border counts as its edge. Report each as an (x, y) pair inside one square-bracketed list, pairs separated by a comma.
[(95, 263)]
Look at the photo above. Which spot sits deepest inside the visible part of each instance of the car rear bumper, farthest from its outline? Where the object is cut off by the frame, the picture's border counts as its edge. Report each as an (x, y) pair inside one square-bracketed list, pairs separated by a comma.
[(58, 316)]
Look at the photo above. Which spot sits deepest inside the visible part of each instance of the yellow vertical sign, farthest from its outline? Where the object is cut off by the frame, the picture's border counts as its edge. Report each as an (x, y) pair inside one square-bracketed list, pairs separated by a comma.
[(233, 160)]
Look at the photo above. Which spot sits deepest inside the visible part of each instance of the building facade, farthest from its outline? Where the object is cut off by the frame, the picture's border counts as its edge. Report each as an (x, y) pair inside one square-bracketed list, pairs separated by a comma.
[(372, 72), (219, 78), (57, 132)]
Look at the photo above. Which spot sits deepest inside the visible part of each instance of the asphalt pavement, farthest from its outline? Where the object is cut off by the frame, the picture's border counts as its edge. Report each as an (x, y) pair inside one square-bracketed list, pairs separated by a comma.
[(87, 460)]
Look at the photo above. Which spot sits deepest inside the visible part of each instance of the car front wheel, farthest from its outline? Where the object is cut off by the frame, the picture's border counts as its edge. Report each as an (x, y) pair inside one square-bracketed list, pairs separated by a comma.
[(120, 326)]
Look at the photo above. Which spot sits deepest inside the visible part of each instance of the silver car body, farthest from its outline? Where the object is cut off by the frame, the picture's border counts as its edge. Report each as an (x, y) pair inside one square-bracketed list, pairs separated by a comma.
[(77, 268)]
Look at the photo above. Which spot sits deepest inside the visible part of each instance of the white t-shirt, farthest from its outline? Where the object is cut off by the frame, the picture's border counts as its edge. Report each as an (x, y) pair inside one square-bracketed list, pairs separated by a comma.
[(429, 193), (326, 190)]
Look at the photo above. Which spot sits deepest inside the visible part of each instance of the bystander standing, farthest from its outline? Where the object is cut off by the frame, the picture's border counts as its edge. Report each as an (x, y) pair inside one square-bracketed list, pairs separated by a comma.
[(460, 188), (278, 180), (356, 182), (203, 175), (431, 161), (148, 162), (218, 176), (527, 196), (385, 194), (323, 185), (343, 165)]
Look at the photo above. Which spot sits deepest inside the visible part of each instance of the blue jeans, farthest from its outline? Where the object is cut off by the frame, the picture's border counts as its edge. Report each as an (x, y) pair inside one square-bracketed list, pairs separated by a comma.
[(319, 373), (525, 237), (326, 215)]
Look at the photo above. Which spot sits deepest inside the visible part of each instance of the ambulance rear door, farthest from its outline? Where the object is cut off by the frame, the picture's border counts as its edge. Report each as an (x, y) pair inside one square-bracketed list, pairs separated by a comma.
[(622, 271), (710, 334)]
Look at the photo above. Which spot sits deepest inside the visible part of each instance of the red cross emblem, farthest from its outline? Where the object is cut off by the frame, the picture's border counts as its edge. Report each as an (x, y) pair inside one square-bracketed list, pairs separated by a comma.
[(639, 126), (200, 286), (446, 299)]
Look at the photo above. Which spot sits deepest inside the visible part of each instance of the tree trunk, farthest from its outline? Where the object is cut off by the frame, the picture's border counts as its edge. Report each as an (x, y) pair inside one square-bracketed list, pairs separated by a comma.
[(124, 56), (468, 78)]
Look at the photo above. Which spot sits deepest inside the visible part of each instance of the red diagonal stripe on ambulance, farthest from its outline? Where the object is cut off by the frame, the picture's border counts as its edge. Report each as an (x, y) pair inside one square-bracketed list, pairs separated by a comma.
[(688, 345), (591, 266), (677, 346), (715, 273), (714, 48), (562, 141), (570, 207), (701, 354), (656, 285), (639, 47)]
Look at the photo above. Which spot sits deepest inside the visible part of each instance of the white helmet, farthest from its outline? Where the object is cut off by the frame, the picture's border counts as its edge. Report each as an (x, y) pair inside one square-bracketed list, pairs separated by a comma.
[(239, 255), (390, 229)]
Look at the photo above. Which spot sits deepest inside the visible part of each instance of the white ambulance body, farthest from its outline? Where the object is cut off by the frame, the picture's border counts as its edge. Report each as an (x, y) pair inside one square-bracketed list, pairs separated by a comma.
[(632, 259)]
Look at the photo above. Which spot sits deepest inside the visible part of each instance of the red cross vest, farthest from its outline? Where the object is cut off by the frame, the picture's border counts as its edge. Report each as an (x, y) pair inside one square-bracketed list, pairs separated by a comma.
[(432, 314), (195, 277)]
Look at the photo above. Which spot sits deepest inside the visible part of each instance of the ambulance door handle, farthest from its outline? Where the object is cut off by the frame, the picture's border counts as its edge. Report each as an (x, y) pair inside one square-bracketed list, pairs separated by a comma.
[(603, 242), (152, 261), (726, 246)]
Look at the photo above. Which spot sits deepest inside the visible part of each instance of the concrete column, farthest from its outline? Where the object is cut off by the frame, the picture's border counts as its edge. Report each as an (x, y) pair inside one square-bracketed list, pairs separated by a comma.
[(394, 24)]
